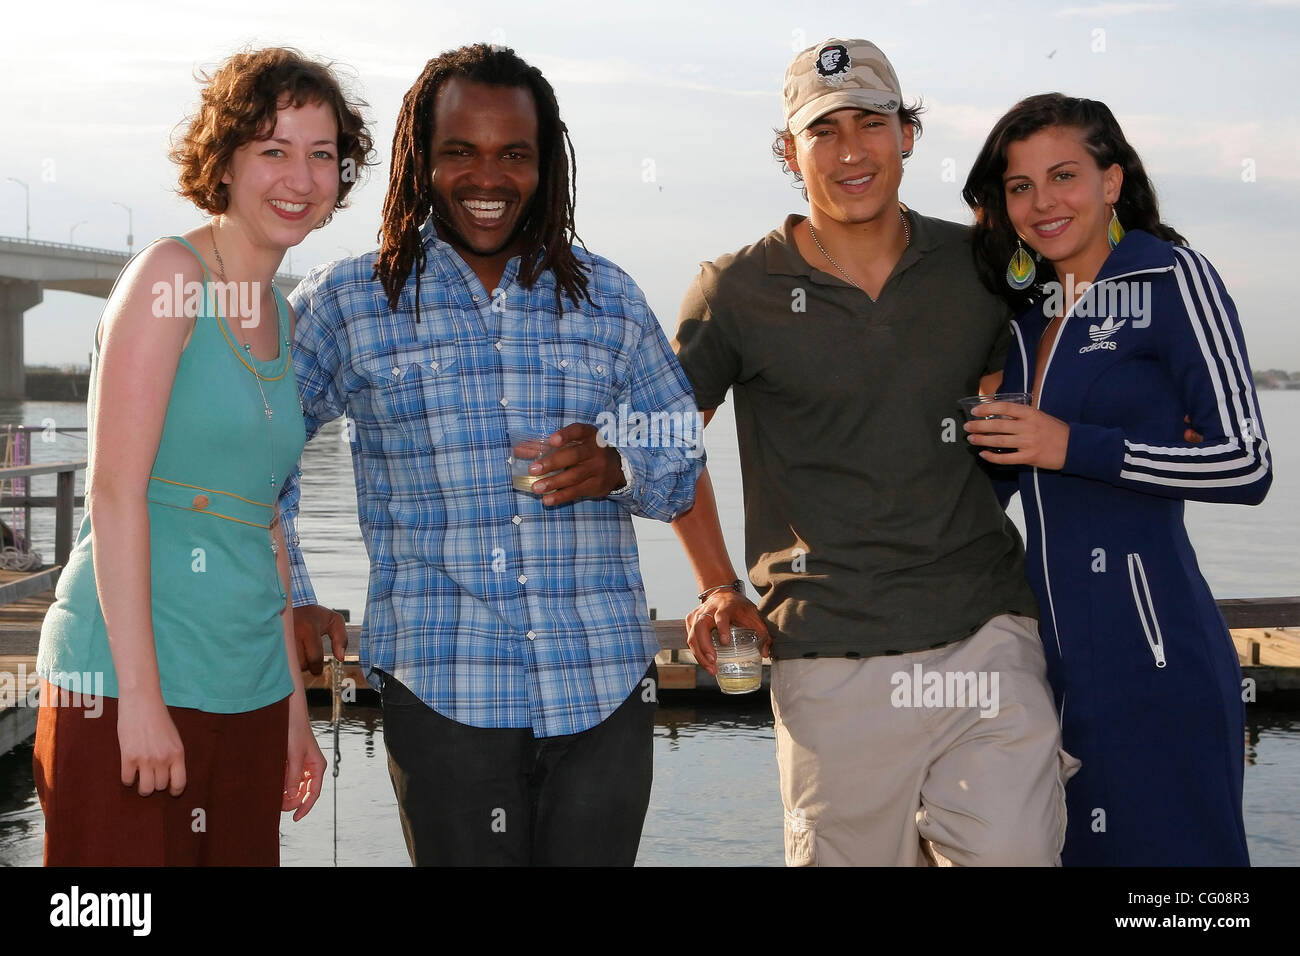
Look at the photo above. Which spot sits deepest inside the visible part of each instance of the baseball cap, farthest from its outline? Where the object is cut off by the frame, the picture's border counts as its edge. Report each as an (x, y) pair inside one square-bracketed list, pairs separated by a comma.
[(835, 74)]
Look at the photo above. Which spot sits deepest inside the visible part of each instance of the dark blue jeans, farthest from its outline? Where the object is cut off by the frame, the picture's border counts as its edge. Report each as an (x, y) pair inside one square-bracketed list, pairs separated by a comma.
[(476, 796)]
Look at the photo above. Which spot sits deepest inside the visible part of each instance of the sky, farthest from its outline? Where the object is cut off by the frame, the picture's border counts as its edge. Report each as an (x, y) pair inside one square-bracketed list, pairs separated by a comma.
[(671, 107)]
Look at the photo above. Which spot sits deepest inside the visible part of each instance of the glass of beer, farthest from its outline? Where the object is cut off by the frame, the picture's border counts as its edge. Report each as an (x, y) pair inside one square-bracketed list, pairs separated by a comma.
[(972, 403), (740, 667)]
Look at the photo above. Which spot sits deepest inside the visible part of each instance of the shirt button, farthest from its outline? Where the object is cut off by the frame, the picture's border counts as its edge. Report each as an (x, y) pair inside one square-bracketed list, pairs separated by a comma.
[(434, 366), (475, 298), (497, 345), (516, 519), (296, 540), (200, 502), (600, 369), (505, 401), (396, 371), (532, 635), (564, 363), (522, 579)]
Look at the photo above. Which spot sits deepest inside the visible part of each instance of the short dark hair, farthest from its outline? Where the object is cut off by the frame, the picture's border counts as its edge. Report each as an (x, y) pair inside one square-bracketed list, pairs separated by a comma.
[(238, 105), (994, 239), (784, 141), (548, 231)]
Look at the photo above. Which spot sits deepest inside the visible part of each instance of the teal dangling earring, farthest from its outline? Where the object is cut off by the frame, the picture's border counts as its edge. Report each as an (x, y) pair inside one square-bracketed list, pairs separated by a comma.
[(1114, 232), (1020, 270)]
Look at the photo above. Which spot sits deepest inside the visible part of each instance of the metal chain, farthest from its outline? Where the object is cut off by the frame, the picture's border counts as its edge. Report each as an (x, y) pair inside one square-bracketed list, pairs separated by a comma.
[(907, 241)]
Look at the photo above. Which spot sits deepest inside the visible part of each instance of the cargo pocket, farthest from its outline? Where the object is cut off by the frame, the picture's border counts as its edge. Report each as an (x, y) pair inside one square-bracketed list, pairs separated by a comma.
[(800, 839), (1067, 766)]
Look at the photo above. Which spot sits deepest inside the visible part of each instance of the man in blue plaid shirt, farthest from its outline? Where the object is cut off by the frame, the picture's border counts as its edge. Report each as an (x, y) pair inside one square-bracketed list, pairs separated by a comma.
[(508, 632)]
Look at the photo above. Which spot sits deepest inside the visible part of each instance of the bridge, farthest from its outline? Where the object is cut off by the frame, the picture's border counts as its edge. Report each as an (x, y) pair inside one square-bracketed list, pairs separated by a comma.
[(28, 267)]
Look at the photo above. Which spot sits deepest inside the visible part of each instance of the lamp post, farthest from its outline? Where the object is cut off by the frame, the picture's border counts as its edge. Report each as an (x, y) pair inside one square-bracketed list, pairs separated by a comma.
[(27, 207), (72, 231), (130, 227)]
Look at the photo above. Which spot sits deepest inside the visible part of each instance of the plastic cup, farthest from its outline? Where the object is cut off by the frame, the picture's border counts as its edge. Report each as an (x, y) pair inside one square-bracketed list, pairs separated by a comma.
[(971, 405), (526, 446), (740, 666)]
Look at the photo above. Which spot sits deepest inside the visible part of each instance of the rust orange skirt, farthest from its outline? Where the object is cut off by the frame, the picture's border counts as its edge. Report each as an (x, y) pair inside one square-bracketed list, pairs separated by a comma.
[(228, 815)]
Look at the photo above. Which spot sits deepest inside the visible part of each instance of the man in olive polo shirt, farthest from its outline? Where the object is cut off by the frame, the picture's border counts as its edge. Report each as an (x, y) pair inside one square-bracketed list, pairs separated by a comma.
[(914, 722)]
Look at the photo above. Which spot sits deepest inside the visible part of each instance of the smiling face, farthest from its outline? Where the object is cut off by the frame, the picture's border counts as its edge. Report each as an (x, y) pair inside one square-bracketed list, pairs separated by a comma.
[(485, 171), (280, 188), (1059, 200), (851, 161)]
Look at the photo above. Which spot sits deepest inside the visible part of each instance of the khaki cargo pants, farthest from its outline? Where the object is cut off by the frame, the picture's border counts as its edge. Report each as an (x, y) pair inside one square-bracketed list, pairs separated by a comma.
[(950, 756)]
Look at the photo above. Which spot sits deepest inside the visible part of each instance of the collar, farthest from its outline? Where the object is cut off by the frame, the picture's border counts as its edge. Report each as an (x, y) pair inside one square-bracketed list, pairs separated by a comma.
[(782, 256), (438, 249), (1138, 253)]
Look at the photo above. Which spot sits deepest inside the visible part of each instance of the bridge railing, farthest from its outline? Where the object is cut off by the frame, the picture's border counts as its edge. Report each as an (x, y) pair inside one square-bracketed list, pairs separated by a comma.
[(63, 245), (124, 254)]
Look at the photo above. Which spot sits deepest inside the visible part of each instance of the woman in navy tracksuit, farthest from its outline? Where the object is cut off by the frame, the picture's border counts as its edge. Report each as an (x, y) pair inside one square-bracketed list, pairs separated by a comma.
[(1145, 674)]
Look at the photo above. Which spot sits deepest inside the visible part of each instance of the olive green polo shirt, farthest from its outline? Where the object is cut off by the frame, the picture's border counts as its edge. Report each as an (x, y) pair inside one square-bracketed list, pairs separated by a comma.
[(870, 526)]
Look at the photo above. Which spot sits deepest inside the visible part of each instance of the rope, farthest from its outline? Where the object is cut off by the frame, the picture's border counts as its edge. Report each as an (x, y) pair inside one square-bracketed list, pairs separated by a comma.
[(11, 559), (336, 675)]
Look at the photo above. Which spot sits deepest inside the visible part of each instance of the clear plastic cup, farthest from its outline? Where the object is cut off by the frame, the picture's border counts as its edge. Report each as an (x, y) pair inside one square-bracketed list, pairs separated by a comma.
[(972, 403), (740, 666), (526, 447)]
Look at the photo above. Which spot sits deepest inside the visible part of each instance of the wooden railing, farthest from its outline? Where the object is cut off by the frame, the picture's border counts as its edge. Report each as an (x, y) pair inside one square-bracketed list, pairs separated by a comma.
[(63, 502)]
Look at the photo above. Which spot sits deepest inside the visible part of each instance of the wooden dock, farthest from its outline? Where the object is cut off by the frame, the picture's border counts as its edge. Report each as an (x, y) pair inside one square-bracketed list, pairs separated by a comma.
[(1269, 655)]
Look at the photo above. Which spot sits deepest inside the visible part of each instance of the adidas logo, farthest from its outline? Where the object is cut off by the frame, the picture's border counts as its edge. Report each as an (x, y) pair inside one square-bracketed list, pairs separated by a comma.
[(1100, 335), (1107, 328)]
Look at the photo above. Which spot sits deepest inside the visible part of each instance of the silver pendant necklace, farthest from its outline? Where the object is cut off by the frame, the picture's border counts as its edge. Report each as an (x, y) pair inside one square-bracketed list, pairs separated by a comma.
[(907, 241), (257, 377)]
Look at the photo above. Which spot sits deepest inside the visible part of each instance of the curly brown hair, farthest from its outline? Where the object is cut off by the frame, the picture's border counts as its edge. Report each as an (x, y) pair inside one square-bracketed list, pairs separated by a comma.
[(238, 105)]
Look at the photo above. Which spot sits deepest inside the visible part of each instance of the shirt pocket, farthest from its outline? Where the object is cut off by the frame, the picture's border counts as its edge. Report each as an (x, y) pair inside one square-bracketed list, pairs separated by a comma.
[(580, 379), (414, 395)]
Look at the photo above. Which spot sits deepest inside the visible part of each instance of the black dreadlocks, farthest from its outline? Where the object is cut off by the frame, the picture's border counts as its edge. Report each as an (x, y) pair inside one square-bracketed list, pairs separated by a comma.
[(548, 231)]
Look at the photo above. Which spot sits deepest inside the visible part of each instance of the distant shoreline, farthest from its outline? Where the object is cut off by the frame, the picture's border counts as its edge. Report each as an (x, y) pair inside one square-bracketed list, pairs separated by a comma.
[(44, 384)]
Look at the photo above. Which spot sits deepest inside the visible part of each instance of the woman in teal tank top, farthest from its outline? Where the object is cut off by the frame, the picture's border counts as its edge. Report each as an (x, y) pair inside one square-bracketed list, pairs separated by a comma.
[(173, 610)]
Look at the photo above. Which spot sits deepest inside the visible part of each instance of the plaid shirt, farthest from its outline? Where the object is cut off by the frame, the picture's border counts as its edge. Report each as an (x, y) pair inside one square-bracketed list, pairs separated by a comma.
[(496, 611)]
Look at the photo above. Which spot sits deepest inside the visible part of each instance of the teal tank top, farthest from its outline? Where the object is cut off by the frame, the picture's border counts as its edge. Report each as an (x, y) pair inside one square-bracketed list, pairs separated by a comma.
[(216, 590)]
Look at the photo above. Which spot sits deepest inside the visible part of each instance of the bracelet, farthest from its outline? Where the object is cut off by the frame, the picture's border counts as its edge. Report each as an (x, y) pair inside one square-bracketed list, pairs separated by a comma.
[(735, 585)]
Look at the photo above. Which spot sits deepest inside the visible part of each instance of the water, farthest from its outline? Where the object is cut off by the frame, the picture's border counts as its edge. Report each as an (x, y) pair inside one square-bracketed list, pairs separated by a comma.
[(714, 801), (715, 797)]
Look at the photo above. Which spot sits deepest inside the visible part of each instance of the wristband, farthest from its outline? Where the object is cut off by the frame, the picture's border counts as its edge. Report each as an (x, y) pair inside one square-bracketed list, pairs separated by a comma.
[(626, 490), (735, 585)]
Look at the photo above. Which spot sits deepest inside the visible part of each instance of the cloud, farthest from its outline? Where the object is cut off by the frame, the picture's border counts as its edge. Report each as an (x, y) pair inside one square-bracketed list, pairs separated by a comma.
[(616, 71), (1221, 149), (1115, 9)]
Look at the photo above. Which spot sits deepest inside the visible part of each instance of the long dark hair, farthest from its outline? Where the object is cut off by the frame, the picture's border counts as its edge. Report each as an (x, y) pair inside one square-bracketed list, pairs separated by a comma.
[(548, 231), (994, 238)]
